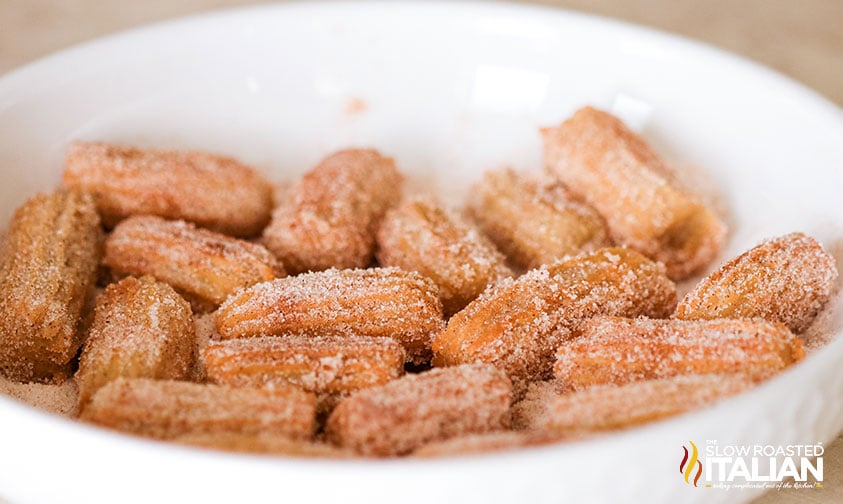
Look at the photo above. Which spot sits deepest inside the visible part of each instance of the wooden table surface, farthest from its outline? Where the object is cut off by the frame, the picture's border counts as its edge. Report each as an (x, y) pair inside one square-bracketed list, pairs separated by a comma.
[(801, 39)]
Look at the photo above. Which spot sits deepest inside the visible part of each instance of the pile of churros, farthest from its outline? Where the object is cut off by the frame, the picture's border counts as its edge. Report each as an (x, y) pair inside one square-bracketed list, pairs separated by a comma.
[(352, 320)]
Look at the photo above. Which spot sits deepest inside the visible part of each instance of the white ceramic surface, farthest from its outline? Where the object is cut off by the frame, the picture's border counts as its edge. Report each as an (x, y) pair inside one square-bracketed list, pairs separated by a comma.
[(448, 90)]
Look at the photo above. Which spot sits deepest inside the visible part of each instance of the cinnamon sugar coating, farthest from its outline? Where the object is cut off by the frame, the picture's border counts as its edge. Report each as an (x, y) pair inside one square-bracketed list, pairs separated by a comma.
[(329, 218), (619, 350), (381, 302), (534, 222), (603, 162), (420, 235), (205, 266), (474, 444), (517, 324), (787, 279), (320, 364), (141, 329), (611, 407), (166, 409), (263, 444), (397, 418), (215, 192), (47, 272)]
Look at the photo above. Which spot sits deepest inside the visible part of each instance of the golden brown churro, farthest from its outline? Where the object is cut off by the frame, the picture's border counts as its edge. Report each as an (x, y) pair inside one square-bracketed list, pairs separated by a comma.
[(613, 169), (329, 218), (517, 324), (610, 407), (215, 192), (787, 279), (205, 266), (419, 235), (141, 329), (532, 222), (382, 302), (398, 417), (619, 350), (474, 444), (166, 409), (47, 273), (263, 444), (320, 364)]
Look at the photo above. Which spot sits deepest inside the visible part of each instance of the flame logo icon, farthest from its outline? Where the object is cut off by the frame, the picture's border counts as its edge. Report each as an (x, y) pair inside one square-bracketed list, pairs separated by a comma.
[(686, 467)]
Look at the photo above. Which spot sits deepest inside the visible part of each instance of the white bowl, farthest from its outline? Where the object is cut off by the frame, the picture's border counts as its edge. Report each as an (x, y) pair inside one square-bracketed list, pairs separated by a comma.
[(448, 90)]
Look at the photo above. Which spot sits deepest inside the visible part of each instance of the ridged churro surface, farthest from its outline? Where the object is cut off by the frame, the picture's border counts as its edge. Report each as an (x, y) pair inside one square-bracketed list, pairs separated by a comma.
[(620, 350), (141, 329), (518, 324), (319, 364), (420, 235), (215, 192), (398, 417), (603, 162), (204, 265), (382, 302), (329, 218), (166, 409), (610, 407), (47, 273), (787, 279), (534, 222)]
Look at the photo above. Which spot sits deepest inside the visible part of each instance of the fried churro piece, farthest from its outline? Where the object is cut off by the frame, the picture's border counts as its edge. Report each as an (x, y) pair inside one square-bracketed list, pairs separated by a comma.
[(788, 279), (330, 216), (141, 329), (534, 223), (419, 235), (320, 364), (47, 272), (212, 191), (382, 302), (205, 266), (619, 350), (165, 409), (610, 407), (263, 444), (613, 169), (396, 418), (475, 444), (517, 324)]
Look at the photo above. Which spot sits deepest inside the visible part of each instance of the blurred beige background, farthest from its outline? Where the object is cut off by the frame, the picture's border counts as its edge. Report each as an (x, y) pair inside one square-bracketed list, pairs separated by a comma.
[(803, 39)]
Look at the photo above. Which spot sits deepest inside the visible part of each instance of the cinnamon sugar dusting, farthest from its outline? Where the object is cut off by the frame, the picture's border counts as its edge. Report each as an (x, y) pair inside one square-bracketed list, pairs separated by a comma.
[(59, 399), (439, 348), (610, 407)]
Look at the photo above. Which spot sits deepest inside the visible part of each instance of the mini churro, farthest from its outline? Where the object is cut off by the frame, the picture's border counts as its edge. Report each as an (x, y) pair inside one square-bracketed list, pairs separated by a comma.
[(329, 218), (610, 407), (474, 444), (215, 192), (141, 329), (619, 350), (319, 364), (534, 223), (382, 302), (788, 279), (420, 235), (613, 169), (517, 324), (165, 409), (396, 418), (47, 273), (203, 265), (263, 444)]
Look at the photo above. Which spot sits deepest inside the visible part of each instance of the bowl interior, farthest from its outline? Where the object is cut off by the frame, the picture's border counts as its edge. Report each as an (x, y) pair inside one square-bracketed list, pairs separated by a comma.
[(449, 91)]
